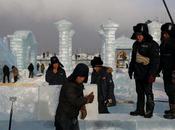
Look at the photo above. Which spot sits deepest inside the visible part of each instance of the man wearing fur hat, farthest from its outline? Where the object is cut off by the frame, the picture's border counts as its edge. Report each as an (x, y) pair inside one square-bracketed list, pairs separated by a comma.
[(144, 64), (72, 100), (55, 74), (102, 76), (167, 65)]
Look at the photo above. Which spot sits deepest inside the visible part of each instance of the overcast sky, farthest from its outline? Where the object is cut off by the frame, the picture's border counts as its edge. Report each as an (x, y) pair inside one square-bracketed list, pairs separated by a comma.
[(39, 16)]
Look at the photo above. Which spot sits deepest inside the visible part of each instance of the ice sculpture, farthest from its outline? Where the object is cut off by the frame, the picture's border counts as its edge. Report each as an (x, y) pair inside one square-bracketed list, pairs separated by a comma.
[(108, 31), (102, 34), (6, 57), (123, 42), (24, 46), (154, 30), (65, 43)]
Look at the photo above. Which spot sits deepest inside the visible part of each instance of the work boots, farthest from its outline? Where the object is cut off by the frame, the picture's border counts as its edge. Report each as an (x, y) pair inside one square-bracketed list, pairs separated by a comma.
[(137, 113), (149, 106), (170, 115), (168, 111), (148, 114)]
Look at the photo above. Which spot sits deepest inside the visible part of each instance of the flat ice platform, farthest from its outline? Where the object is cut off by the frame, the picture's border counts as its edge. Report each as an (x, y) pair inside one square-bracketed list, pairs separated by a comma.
[(118, 119), (28, 114)]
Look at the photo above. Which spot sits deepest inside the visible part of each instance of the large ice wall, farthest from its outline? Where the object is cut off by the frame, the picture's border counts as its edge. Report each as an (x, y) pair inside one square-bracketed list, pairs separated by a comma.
[(37, 102), (108, 31), (66, 33), (24, 46)]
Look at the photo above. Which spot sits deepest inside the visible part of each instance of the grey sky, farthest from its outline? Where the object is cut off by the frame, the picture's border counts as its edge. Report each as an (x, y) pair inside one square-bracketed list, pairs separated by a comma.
[(86, 16)]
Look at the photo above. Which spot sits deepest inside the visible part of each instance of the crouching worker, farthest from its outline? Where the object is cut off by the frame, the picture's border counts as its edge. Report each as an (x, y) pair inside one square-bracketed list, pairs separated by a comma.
[(72, 100)]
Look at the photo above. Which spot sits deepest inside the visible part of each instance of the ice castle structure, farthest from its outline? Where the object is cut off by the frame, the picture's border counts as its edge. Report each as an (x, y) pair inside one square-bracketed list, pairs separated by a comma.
[(6, 56), (66, 33), (154, 30), (107, 32), (24, 46), (102, 34)]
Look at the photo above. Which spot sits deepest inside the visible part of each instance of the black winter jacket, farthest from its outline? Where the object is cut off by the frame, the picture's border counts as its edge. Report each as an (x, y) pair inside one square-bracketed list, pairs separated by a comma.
[(105, 84), (167, 57), (70, 101), (6, 70), (31, 67), (148, 49), (55, 78)]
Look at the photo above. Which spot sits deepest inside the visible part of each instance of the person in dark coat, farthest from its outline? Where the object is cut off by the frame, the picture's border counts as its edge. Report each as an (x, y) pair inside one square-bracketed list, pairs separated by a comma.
[(6, 73), (42, 68), (55, 74), (37, 66), (15, 73), (105, 85), (72, 99), (144, 64), (167, 65), (31, 69)]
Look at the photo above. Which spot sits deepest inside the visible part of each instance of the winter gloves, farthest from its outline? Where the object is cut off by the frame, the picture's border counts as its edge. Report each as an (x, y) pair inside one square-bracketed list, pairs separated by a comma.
[(151, 79), (83, 112), (108, 102), (90, 97)]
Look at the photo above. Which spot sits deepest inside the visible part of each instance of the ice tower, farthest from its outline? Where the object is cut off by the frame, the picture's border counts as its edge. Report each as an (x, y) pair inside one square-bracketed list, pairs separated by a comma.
[(24, 46), (65, 43), (102, 34), (154, 30), (107, 32)]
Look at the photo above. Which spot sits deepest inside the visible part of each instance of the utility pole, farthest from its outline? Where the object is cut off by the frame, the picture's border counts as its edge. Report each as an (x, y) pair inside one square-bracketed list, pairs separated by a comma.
[(168, 12)]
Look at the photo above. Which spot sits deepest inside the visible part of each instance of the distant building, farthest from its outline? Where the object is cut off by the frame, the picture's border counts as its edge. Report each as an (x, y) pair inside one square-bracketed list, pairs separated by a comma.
[(45, 59), (82, 58)]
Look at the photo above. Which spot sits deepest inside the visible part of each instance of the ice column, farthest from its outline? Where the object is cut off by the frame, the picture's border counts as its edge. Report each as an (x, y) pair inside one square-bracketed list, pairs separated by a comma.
[(101, 32), (108, 31), (24, 46), (154, 30), (65, 43)]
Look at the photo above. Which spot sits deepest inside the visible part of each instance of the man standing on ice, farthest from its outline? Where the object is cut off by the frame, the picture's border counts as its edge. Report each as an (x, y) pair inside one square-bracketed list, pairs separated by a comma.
[(72, 100), (31, 68), (144, 64), (167, 65), (6, 73)]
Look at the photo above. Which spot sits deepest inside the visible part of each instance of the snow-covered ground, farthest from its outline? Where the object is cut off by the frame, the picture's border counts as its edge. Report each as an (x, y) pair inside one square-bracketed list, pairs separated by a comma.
[(118, 119)]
